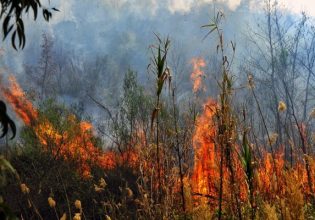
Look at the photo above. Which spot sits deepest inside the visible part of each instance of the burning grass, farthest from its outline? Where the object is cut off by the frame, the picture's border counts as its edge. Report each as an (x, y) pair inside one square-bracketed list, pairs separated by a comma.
[(274, 189), (212, 173), (76, 142)]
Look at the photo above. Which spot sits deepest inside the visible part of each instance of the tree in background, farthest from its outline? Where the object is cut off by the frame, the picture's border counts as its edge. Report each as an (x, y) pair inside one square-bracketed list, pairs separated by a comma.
[(43, 76)]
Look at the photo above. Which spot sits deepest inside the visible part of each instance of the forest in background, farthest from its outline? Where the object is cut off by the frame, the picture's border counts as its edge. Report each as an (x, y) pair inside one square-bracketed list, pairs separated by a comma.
[(227, 136)]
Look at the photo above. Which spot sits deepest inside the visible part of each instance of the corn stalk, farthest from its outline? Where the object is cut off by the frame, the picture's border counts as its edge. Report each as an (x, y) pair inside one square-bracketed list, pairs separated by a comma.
[(225, 118), (158, 67)]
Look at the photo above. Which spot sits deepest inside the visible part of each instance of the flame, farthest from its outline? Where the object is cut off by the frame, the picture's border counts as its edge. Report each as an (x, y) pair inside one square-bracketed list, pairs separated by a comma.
[(206, 174), (75, 144), (20, 104), (271, 175), (197, 73), (204, 168)]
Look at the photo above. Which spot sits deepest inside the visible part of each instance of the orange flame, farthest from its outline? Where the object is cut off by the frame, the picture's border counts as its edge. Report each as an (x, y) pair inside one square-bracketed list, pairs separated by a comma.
[(75, 144), (20, 104), (204, 167), (197, 73), (206, 174)]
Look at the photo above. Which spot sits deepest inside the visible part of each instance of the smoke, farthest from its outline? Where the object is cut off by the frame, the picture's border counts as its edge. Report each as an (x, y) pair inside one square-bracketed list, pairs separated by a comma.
[(121, 32), (124, 29), (294, 7)]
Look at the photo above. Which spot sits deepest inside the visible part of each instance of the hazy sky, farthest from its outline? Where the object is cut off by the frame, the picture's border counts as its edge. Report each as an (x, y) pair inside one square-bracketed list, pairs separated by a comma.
[(297, 6), (185, 6), (124, 29)]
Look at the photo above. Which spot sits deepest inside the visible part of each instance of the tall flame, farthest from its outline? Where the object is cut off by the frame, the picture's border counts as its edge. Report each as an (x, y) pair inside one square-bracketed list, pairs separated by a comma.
[(204, 163), (77, 144), (206, 173), (270, 176), (196, 76)]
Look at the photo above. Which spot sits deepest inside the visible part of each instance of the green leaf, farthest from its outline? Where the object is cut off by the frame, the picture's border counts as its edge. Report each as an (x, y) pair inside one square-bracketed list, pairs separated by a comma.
[(21, 32), (34, 7), (13, 40), (6, 165), (213, 29), (6, 30), (208, 25), (46, 14)]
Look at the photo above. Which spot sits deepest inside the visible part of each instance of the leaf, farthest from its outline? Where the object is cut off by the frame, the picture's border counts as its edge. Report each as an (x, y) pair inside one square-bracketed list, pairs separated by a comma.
[(209, 25), (13, 40), (213, 29), (13, 127), (6, 164), (21, 32), (5, 26), (34, 7), (38, 3), (153, 116), (15, 9), (6, 121), (46, 14), (157, 36), (8, 31)]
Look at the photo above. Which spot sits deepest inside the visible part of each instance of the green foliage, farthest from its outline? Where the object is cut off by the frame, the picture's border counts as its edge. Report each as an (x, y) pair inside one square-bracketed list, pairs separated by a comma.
[(214, 24), (47, 174), (246, 157), (134, 102), (54, 112), (158, 67), (159, 62), (134, 109)]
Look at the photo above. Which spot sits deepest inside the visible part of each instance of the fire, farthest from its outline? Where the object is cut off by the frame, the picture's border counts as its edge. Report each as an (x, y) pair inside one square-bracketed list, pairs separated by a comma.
[(271, 175), (197, 73), (20, 104), (206, 173), (205, 169), (75, 144)]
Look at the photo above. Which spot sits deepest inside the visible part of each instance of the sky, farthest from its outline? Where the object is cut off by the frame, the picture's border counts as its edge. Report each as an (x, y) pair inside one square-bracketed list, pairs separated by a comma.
[(104, 17), (296, 6), (185, 6)]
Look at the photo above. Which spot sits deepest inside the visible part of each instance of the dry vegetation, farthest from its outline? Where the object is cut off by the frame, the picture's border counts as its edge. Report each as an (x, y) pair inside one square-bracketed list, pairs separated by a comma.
[(204, 159)]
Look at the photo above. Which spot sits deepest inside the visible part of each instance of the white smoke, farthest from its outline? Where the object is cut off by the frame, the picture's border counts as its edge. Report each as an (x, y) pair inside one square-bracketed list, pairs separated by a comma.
[(291, 6)]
